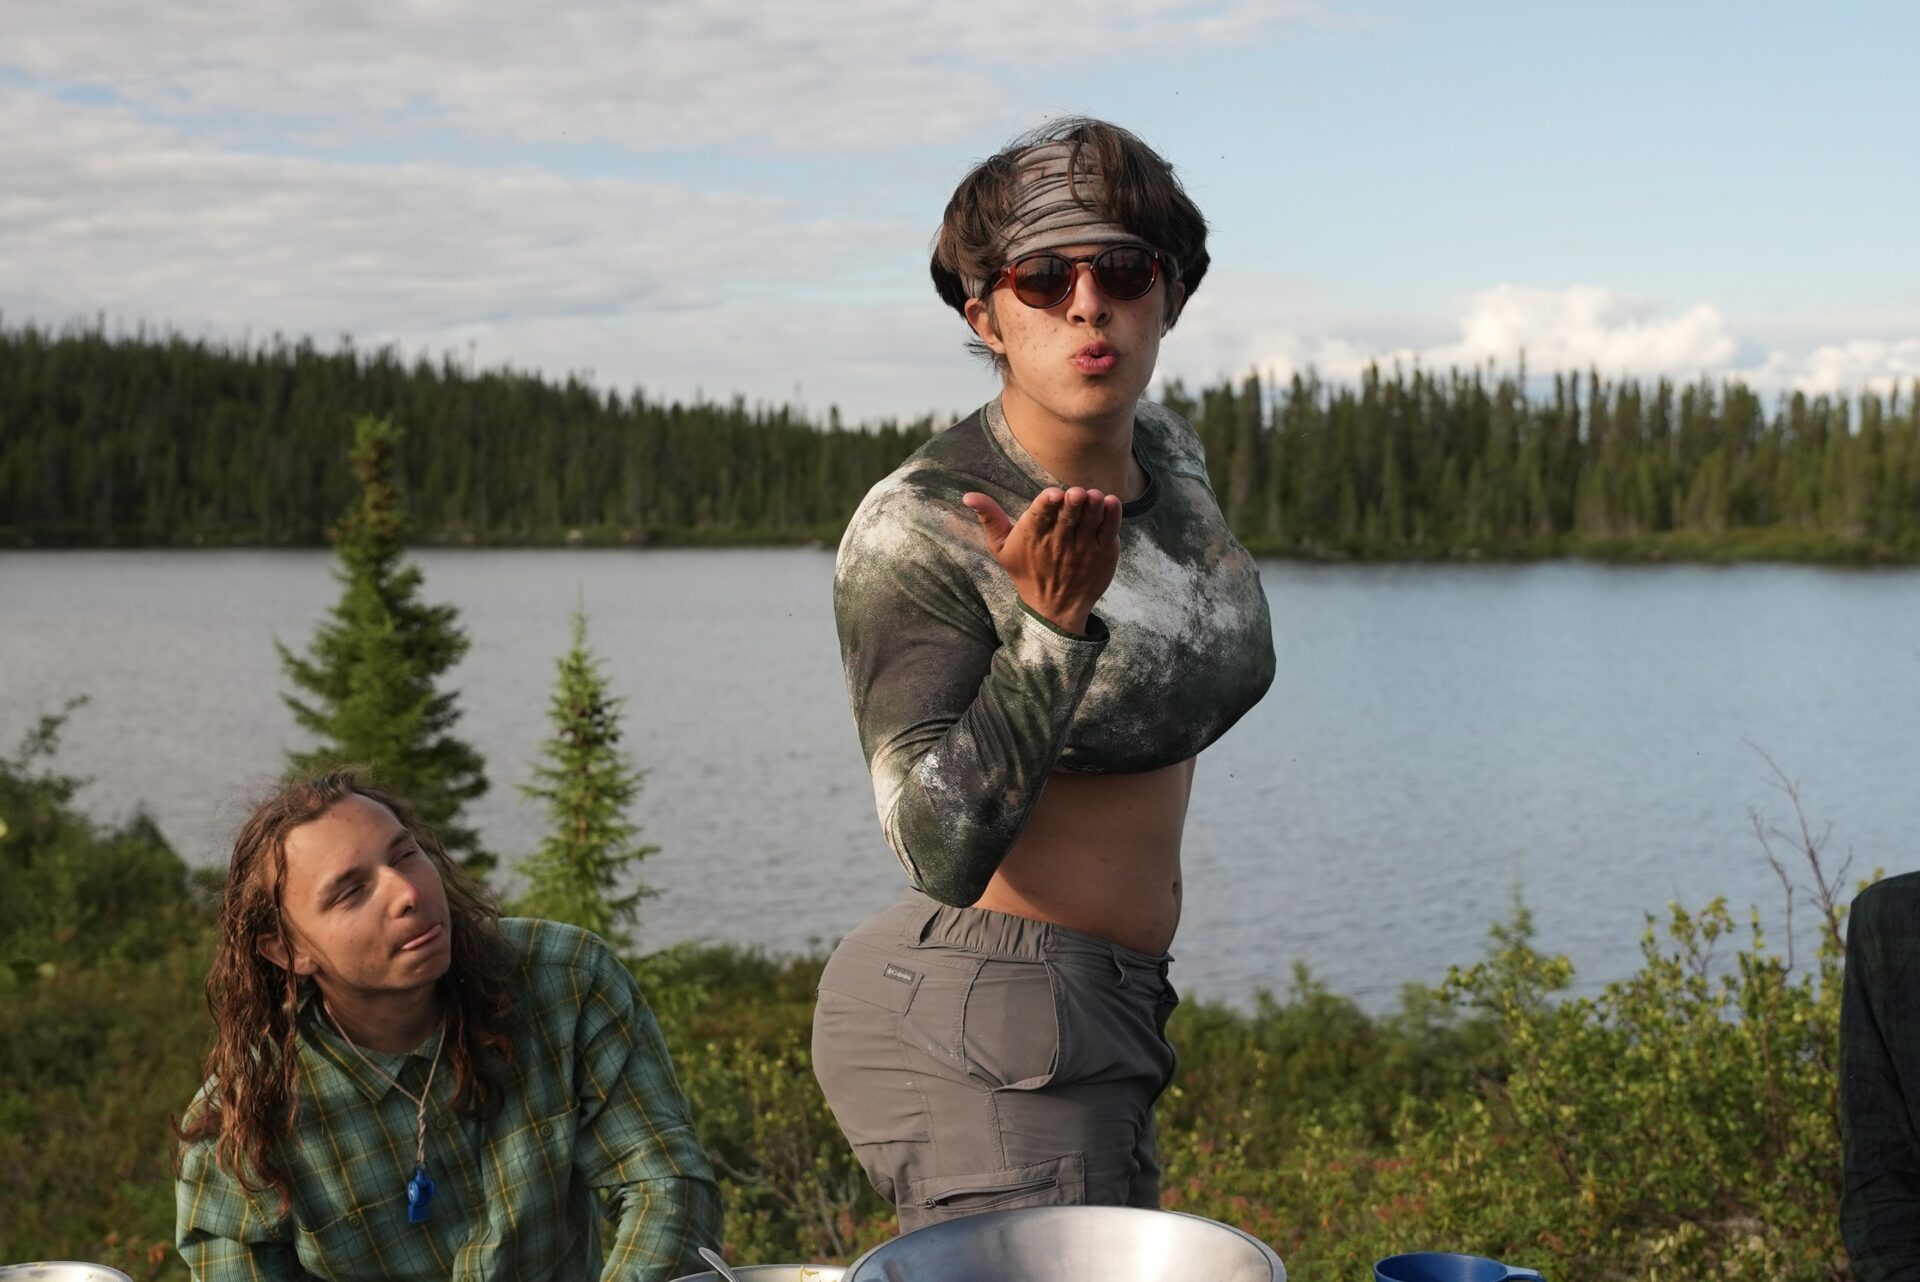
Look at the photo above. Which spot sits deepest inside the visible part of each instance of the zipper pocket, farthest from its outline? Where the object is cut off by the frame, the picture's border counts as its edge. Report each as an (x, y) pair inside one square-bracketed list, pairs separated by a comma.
[(998, 1193)]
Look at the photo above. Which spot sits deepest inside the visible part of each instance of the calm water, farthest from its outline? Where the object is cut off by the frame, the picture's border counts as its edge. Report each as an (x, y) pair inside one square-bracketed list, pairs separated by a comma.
[(1436, 737)]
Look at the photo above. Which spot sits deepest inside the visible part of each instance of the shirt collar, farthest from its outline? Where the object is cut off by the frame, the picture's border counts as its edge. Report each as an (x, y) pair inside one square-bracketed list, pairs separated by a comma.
[(326, 1042)]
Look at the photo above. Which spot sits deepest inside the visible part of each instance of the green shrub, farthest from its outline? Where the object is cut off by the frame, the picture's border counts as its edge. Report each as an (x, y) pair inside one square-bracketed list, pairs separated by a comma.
[(1680, 1124)]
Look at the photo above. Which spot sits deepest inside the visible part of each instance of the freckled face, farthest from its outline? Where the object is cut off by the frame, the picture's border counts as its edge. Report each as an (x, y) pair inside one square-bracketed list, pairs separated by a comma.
[(364, 903), (1085, 360)]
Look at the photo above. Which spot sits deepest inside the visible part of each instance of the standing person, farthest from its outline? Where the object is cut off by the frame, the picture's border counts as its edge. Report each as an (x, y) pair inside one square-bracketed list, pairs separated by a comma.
[(1043, 620), (1880, 1082), (404, 1086)]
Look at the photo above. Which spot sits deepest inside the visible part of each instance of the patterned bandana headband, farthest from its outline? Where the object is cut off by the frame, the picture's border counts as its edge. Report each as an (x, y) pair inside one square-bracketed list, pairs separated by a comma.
[(1046, 213)]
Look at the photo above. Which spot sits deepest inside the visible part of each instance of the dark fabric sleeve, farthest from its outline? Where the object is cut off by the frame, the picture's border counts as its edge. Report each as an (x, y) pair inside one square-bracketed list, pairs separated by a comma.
[(961, 708), (1879, 1049)]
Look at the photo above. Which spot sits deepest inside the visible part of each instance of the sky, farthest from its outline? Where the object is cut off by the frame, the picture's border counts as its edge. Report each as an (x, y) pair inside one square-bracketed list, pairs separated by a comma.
[(737, 199)]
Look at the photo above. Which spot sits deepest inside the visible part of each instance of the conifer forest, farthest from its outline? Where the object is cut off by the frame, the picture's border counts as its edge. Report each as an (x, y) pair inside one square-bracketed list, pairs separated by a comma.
[(151, 439)]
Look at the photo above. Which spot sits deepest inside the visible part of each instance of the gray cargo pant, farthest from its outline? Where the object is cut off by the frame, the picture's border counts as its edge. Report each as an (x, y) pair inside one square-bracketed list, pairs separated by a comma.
[(979, 1061)]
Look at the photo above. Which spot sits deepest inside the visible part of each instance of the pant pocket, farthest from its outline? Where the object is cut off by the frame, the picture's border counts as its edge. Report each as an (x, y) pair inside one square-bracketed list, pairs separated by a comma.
[(1059, 1181), (1010, 1025), (1111, 1029)]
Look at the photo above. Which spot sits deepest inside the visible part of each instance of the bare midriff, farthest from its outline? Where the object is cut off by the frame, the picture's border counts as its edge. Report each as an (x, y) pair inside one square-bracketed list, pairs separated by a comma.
[(1101, 854)]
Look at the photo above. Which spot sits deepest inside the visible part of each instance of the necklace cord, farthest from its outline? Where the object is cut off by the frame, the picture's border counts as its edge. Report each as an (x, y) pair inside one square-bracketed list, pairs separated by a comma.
[(426, 1092)]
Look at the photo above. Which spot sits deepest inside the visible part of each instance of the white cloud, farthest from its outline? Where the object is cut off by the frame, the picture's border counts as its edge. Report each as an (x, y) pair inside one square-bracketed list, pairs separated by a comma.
[(1254, 326), (642, 283), (763, 74), (1577, 328), (103, 212), (1582, 327), (681, 291), (1876, 363)]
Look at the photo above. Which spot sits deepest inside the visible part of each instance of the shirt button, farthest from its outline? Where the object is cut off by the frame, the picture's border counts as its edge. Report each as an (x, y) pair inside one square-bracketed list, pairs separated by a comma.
[(545, 1129), (354, 1218)]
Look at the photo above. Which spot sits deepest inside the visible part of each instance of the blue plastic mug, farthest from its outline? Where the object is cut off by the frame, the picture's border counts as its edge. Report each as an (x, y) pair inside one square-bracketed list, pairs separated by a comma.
[(1445, 1266)]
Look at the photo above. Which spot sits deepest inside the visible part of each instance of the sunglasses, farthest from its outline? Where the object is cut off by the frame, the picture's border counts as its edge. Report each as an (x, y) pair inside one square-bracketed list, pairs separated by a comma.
[(1045, 279)]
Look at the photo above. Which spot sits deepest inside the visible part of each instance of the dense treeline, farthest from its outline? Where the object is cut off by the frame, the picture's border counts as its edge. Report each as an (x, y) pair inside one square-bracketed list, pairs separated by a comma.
[(1430, 465), (145, 440), (161, 440)]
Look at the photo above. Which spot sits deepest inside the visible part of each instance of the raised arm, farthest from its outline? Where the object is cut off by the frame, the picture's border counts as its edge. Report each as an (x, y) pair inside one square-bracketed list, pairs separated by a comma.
[(962, 707)]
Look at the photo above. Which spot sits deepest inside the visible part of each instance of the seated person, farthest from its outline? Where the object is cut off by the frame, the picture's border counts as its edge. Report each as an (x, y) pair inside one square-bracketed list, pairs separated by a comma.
[(402, 1085), (1880, 1082)]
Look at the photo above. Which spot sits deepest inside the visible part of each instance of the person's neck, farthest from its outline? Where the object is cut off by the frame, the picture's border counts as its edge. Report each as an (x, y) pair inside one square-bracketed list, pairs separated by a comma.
[(391, 1022), (1093, 455)]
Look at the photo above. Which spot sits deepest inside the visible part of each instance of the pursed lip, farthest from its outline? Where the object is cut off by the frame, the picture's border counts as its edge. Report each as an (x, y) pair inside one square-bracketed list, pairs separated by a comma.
[(424, 938), (1095, 359)]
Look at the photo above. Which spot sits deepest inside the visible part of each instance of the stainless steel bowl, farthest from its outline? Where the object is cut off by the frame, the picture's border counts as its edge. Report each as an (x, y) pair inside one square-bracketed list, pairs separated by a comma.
[(773, 1273), (1072, 1244), (61, 1271)]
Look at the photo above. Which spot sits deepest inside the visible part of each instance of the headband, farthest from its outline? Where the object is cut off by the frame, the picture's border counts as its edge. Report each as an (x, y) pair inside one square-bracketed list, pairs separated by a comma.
[(1055, 204)]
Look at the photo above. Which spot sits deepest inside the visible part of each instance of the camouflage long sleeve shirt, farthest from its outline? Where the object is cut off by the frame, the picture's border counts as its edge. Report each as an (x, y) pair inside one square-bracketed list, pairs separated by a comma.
[(966, 700)]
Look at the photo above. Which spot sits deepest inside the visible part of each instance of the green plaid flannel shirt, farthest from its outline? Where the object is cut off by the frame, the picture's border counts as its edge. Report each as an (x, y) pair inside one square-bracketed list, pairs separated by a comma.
[(591, 1104), (1880, 1082)]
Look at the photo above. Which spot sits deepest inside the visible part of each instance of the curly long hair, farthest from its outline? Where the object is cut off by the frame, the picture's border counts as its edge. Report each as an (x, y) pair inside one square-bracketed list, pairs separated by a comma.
[(252, 1094)]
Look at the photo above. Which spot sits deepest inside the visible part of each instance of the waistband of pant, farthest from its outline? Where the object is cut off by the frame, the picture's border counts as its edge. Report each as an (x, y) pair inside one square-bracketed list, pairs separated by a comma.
[(925, 920)]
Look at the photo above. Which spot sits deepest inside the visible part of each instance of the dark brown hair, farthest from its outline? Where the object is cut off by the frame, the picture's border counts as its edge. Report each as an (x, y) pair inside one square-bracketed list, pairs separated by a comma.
[(1141, 194), (252, 1071)]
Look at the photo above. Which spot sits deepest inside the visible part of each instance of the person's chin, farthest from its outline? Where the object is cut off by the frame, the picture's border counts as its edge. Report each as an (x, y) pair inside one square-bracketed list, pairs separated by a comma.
[(439, 959), (1101, 399)]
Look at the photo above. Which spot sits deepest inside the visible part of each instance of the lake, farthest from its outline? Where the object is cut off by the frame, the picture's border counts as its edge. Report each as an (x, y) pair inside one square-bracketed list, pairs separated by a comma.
[(1437, 739)]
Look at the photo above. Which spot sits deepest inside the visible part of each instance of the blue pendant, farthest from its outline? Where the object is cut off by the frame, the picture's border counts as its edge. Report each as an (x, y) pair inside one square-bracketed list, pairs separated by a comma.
[(419, 1196)]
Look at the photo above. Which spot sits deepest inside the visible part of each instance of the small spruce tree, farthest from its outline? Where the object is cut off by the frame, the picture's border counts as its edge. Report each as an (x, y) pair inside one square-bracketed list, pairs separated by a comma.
[(366, 684), (587, 785)]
